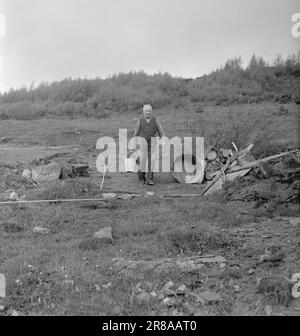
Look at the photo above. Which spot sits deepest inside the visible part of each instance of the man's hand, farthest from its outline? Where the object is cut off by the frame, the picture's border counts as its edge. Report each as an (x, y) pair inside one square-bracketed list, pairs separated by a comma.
[(164, 141), (132, 147)]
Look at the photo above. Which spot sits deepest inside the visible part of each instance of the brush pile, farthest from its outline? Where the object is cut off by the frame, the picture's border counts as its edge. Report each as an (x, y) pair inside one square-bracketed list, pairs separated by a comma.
[(225, 165)]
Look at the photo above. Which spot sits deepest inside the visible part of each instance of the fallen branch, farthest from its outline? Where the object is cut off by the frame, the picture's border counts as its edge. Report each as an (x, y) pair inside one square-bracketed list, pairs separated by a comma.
[(260, 161), (221, 172)]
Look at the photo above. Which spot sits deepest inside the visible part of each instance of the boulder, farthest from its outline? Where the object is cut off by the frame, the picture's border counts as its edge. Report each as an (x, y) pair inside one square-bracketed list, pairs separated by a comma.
[(104, 234), (108, 196), (47, 173), (143, 298), (26, 174), (40, 230), (295, 221), (208, 297)]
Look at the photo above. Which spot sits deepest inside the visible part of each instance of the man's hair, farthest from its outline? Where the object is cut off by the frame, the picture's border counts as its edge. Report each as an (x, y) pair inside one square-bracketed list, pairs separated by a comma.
[(147, 107)]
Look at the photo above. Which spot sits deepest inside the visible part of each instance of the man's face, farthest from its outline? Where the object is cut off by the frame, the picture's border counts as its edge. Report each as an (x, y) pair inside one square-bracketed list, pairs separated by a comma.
[(148, 113)]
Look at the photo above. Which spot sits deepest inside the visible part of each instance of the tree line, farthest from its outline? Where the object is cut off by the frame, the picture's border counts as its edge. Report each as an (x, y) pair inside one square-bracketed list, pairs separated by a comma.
[(230, 84)]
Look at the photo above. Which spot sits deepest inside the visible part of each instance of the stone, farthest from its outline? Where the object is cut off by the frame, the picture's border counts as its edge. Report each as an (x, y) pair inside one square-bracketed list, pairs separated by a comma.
[(40, 230), (169, 302), (74, 170), (167, 289), (153, 294), (26, 174), (182, 288), (208, 297), (13, 196), (14, 313), (237, 288), (108, 196), (2, 286), (46, 173), (143, 298), (278, 169), (104, 234), (295, 221), (222, 265)]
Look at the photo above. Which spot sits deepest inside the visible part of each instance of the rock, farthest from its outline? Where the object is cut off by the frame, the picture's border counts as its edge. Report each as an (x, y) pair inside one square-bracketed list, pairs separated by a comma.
[(226, 152), (153, 294), (80, 170), (149, 193), (182, 288), (47, 173), (272, 254), (2, 286), (251, 271), (5, 140), (14, 313), (169, 302), (108, 196), (295, 221), (13, 196), (211, 156), (143, 298), (26, 174), (40, 230), (74, 170), (160, 297), (167, 289), (208, 297), (237, 288), (222, 265), (278, 169), (168, 285), (2, 308), (188, 308), (104, 234)]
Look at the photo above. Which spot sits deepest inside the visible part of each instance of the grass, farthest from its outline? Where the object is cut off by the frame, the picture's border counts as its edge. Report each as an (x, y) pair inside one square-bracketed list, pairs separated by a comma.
[(72, 272)]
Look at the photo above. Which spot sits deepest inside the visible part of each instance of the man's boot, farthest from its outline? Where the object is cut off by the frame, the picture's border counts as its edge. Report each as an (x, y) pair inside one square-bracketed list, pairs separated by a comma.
[(150, 178), (142, 177)]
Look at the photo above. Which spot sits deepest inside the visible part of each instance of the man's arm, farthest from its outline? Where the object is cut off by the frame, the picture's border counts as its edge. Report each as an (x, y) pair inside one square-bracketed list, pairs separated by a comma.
[(160, 130), (137, 129), (136, 133)]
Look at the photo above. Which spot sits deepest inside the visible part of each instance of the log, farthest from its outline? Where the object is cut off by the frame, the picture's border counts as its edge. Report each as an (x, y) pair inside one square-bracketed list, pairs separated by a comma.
[(260, 161), (221, 173), (211, 156)]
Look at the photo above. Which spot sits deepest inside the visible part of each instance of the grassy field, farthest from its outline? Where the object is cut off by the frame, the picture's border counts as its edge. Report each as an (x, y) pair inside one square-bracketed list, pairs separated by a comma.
[(67, 272)]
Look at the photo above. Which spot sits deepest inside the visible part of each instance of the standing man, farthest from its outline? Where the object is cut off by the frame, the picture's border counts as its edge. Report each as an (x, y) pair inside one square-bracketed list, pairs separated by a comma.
[(148, 127)]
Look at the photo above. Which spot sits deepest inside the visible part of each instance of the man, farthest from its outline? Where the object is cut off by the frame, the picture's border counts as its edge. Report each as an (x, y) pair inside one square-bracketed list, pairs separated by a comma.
[(148, 127)]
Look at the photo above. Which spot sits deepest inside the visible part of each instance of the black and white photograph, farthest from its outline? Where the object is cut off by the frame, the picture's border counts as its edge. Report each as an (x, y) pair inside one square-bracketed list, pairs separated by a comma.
[(149, 161)]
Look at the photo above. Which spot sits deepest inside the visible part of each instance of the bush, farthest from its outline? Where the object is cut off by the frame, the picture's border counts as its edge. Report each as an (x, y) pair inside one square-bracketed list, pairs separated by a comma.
[(122, 92)]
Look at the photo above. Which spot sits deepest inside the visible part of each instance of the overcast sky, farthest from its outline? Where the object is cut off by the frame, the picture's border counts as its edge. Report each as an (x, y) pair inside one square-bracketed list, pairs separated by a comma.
[(49, 40)]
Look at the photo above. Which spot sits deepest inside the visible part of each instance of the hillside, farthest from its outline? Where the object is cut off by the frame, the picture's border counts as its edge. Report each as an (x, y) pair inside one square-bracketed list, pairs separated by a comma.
[(231, 84)]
